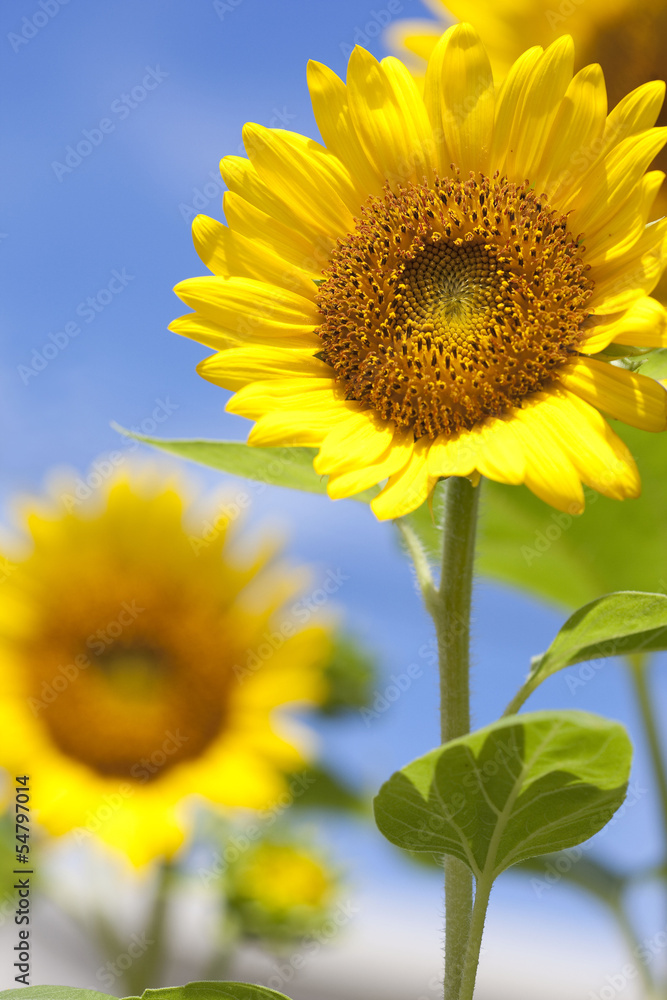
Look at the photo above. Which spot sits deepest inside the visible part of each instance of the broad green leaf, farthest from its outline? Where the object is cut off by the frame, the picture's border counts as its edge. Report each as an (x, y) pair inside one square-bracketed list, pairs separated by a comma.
[(524, 786), (289, 467), (614, 625), (212, 991), (52, 993)]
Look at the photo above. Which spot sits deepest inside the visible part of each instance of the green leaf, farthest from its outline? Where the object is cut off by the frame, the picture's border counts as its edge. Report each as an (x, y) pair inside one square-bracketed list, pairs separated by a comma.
[(524, 786), (350, 675), (211, 991), (326, 791), (52, 993), (289, 467), (614, 625), (655, 364), (613, 545)]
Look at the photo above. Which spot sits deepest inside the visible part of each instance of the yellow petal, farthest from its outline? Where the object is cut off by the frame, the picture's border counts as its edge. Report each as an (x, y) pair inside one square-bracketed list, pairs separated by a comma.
[(298, 179), (643, 325), (540, 103), (293, 428), (573, 142), (406, 490), (347, 484), (609, 184), (245, 304), (230, 254), (634, 113), (287, 394), (630, 276), (601, 459), (205, 331), (235, 368), (358, 442), (460, 99), (508, 104), (620, 234), (550, 474), (330, 102), (390, 124), (283, 240), (501, 456), (628, 396), (416, 125)]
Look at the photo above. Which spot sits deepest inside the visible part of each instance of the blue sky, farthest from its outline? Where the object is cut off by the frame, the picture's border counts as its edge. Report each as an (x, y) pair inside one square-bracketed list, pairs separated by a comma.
[(119, 114)]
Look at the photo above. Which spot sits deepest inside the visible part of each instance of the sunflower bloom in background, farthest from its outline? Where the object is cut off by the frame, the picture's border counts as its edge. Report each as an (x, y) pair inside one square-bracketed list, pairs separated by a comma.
[(424, 295), (124, 678), (280, 891)]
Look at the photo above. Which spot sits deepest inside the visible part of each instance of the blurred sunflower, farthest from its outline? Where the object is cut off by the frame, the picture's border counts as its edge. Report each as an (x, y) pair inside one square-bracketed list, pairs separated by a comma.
[(416, 298), (627, 39), (280, 890), (124, 679)]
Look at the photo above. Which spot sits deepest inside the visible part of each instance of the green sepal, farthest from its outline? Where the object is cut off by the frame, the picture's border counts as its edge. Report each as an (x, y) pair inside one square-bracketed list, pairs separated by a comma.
[(524, 786)]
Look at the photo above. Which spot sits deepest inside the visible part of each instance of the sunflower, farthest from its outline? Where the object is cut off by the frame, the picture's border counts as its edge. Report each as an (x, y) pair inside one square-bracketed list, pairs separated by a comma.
[(432, 292), (141, 664), (280, 890)]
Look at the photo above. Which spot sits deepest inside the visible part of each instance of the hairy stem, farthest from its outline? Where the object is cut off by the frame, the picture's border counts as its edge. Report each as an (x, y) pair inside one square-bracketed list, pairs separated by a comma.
[(451, 614)]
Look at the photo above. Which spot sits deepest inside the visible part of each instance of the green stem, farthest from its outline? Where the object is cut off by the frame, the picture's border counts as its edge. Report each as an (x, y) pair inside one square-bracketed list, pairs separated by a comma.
[(142, 973), (638, 671), (450, 609), (634, 947), (449, 606), (471, 960)]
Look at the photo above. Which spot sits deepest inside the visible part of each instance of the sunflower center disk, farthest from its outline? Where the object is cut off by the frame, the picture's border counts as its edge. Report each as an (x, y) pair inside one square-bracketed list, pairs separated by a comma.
[(134, 710), (452, 303)]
